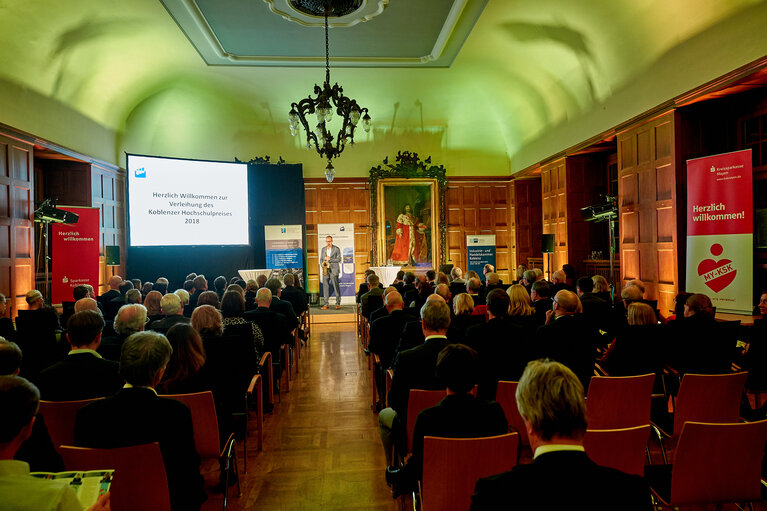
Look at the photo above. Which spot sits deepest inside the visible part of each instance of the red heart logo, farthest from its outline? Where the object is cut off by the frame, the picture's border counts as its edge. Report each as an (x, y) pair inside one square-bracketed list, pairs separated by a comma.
[(717, 275)]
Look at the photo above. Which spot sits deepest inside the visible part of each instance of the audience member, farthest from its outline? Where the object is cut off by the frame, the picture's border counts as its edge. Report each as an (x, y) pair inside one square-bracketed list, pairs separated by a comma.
[(551, 402), (209, 298), (183, 297), (569, 276), (130, 319), (294, 294), (540, 296), (219, 284), (86, 304), (161, 285), (385, 331), (251, 287), (487, 269), (458, 415), (152, 304), (136, 415), (699, 344), (414, 369), (638, 348), (431, 277), (83, 374), (273, 327), (381, 311), (7, 330), (146, 288), (36, 330), (474, 288), (503, 347), (170, 306), (136, 284), (595, 309), (538, 274), (463, 317), (133, 296), (520, 273), (19, 401), (492, 281), (521, 312), (602, 288), (680, 300), (373, 299), (114, 284), (188, 286), (456, 275), (200, 286), (364, 288), (235, 325), (559, 282), (442, 279), (184, 373), (567, 337)]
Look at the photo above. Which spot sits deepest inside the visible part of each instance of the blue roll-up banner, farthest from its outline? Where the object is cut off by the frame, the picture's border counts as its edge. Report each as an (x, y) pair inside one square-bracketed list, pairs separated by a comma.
[(343, 238), (285, 249), (480, 250)]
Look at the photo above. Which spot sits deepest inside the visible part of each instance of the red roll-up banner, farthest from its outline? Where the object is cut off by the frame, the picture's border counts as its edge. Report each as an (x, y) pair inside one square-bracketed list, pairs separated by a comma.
[(75, 253), (720, 230)]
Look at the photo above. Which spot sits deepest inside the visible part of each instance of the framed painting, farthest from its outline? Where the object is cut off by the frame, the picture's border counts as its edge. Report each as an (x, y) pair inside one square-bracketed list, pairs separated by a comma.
[(407, 212), (407, 232)]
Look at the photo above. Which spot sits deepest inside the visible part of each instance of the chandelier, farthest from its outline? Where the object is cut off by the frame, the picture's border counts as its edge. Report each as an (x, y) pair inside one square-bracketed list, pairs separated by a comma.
[(328, 98)]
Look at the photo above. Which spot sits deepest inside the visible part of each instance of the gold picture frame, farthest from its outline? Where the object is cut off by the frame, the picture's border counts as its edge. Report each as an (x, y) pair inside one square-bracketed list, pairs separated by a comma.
[(407, 222)]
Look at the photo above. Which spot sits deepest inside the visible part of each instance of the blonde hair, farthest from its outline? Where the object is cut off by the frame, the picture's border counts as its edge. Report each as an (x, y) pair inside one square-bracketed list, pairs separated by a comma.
[(183, 295), (551, 398), (600, 284), (519, 304), (32, 296), (251, 285), (207, 320), (463, 304), (641, 314)]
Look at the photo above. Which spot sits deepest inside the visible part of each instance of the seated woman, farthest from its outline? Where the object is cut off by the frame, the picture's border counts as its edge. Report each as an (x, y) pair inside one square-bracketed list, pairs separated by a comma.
[(520, 310), (679, 301), (209, 298), (638, 347), (232, 310), (700, 344), (184, 373), (463, 307), (152, 304)]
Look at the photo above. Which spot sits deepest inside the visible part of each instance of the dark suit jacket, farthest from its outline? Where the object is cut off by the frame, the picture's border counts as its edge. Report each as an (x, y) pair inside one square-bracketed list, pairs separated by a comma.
[(637, 349), (163, 325), (296, 297), (286, 309), (272, 326), (79, 376), (597, 311), (570, 341), (362, 290), (562, 480), (700, 345), (36, 336), (541, 307), (456, 416), (504, 351), (371, 301), (38, 450), (460, 325), (109, 295), (414, 369), (379, 313), (137, 416), (385, 333)]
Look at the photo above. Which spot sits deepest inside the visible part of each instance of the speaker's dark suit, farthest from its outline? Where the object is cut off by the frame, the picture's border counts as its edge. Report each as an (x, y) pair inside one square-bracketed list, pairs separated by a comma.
[(79, 376), (456, 416), (562, 480), (137, 416), (570, 341), (414, 369), (504, 351)]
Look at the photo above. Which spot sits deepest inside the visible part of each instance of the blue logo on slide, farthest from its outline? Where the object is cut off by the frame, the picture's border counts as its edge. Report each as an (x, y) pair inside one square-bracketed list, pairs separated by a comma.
[(140, 173), (341, 228)]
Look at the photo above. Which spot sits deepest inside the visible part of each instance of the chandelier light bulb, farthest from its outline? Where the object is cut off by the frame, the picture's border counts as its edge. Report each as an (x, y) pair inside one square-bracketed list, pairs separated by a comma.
[(354, 116), (330, 172), (366, 123)]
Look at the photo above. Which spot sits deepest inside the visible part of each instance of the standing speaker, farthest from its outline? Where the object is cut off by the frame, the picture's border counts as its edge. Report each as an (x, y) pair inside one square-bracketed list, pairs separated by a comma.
[(112, 256), (547, 243)]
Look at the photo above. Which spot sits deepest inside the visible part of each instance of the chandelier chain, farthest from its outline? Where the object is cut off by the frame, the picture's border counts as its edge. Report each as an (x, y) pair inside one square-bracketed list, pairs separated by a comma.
[(327, 48)]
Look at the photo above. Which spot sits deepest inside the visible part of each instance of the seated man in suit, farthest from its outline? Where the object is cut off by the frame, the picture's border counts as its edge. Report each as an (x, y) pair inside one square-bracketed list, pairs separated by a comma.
[(114, 284), (540, 299), (503, 347), (37, 450), (86, 304), (364, 288), (68, 308), (200, 286), (130, 319), (281, 306), (595, 309), (492, 281), (528, 277), (551, 401), (136, 415), (112, 306), (399, 281), (373, 299), (273, 327), (83, 374), (559, 282), (458, 415), (19, 401), (567, 337), (474, 288), (170, 306), (293, 294), (414, 369)]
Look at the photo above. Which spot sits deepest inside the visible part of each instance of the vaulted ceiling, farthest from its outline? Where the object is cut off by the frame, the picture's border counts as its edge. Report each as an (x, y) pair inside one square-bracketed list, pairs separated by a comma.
[(491, 87)]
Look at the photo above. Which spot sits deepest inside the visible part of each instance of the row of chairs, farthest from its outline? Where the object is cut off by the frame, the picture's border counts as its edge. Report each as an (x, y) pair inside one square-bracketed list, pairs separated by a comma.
[(709, 440)]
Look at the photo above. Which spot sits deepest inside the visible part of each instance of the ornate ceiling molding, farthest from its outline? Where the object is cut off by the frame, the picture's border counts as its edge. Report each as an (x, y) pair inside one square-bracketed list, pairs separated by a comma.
[(367, 11)]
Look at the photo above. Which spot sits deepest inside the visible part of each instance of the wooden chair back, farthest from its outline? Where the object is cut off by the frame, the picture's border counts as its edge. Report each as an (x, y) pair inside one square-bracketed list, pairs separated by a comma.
[(622, 449), (60, 419), (451, 467), (267, 371), (713, 398), (417, 401), (505, 394), (718, 463), (204, 422), (139, 484), (615, 402)]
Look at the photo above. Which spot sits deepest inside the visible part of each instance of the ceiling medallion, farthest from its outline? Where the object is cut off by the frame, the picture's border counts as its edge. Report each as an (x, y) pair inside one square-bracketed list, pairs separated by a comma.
[(311, 13), (328, 99)]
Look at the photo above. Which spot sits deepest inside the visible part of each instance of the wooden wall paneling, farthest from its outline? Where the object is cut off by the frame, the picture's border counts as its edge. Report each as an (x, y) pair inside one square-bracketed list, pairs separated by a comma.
[(480, 206), (107, 190), (343, 201), (554, 200), (528, 219), (647, 202), (17, 244), (586, 180)]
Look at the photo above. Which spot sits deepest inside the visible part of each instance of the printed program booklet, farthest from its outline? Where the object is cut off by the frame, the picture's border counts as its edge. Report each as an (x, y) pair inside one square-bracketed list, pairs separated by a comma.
[(87, 485)]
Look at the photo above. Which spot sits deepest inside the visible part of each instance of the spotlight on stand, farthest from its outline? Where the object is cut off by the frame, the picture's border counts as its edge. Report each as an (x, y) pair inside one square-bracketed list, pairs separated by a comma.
[(48, 212), (608, 210)]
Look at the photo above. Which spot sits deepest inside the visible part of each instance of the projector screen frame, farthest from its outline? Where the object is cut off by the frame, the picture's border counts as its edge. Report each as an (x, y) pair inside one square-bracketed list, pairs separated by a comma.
[(128, 240)]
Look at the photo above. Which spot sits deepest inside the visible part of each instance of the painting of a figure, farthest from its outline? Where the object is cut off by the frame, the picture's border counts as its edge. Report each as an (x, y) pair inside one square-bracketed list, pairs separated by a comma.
[(406, 221)]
